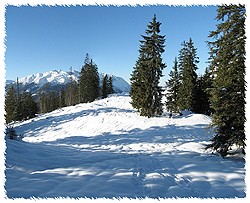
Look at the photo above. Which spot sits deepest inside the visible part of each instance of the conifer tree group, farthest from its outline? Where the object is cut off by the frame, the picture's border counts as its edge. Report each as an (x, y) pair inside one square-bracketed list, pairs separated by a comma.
[(185, 89), (22, 106), (219, 92), (19, 106), (107, 86)]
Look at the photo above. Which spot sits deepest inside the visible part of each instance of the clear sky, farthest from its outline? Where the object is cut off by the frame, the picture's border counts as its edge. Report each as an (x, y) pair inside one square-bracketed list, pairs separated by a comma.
[(45, 38)]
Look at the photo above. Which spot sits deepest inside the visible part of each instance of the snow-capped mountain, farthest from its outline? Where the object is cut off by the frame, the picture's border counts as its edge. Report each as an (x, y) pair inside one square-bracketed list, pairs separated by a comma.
[(53, 77), (58, 78)]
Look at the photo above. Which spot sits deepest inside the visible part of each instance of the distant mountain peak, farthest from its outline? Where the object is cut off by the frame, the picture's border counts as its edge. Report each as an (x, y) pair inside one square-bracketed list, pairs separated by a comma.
[(60, 77)]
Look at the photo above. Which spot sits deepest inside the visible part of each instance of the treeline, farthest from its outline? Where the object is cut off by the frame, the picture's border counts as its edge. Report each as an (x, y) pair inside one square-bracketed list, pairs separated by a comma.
[(22, 106), (19, 106), (219, 92)]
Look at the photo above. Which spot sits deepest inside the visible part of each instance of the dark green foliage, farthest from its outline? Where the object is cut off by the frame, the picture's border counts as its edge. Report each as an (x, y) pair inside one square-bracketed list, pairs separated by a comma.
[(204, 89), (88, 81), (188, 61), (105, 86), (49, 102), (18, 112), (227, 64), (11, 133), (19, 106), (30, 108), (173, 85), (202, 104), (72, 94), (146, 94), (53, 101), (43, 104), (72, 91), (10, 105), (62, 98), (110, 89)]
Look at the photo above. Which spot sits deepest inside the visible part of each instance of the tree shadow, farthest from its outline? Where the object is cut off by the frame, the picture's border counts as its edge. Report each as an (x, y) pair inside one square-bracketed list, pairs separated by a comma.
[(110, 165)]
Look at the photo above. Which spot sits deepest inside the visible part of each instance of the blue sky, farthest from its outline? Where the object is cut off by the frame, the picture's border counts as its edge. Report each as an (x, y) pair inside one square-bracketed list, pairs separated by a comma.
[(45, 38)]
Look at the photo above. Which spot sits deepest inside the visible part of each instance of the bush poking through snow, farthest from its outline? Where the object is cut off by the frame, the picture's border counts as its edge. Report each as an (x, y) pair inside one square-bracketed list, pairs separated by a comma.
[(11, 133)]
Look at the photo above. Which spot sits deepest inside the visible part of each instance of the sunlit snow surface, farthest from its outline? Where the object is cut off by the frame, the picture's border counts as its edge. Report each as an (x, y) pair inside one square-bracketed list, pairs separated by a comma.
[(105, 149)]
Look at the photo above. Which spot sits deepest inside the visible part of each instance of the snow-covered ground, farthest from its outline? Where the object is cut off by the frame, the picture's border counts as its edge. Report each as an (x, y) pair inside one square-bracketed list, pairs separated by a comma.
[(105, 149)]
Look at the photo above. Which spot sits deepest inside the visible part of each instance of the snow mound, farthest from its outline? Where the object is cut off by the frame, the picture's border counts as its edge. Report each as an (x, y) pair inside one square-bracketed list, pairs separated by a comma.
[(105, 149)]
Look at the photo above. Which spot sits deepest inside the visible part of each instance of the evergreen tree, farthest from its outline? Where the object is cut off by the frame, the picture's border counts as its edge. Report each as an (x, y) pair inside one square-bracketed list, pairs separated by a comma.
[(188, 61), (19, 106), (71, 92), (89, 81), (10, 105), (30, 108), (173, 85), (227, 63), (70, 89), (62, 97), (110, 89), (18, 112), (105, 86), (207, 79), (53, 101), (202, 100), (146, 94), (43, 104)]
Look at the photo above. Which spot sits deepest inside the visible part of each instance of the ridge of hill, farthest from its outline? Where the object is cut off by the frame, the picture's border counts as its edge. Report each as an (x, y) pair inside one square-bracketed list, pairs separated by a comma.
[(105, 149)]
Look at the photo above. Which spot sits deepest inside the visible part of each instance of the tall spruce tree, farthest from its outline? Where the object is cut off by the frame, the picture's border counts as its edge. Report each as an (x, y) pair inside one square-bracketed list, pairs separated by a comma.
[(173, 85), (146, 94), (19, 106), (227, 63), (62, 97), (105, 86), (188, 61), (43, 104), (204, 85), (89, 81), (10, 105), (18, 113), (110, 85), (30, 107), (70, 89), (71, 94), (53, 101), (202, 104)]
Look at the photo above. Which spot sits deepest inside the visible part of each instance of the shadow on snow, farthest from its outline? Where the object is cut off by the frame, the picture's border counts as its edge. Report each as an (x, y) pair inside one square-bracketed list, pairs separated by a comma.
[(83, 167)]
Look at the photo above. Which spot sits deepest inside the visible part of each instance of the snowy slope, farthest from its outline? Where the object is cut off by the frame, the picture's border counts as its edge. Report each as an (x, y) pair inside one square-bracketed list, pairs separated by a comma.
[(105, 149), (59, 77)]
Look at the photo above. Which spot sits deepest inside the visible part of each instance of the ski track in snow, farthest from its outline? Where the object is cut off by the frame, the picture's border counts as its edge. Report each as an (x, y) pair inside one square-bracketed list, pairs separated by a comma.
[(105, 149)]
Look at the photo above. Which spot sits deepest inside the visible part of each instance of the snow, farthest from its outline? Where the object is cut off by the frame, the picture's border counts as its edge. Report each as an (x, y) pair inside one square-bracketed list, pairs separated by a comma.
[(59, 77), (54, 77), (105, 149), (119, 84)]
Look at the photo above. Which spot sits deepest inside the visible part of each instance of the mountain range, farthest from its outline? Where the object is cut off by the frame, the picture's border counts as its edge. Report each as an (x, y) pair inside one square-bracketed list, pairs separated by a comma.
[(57, 80)]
